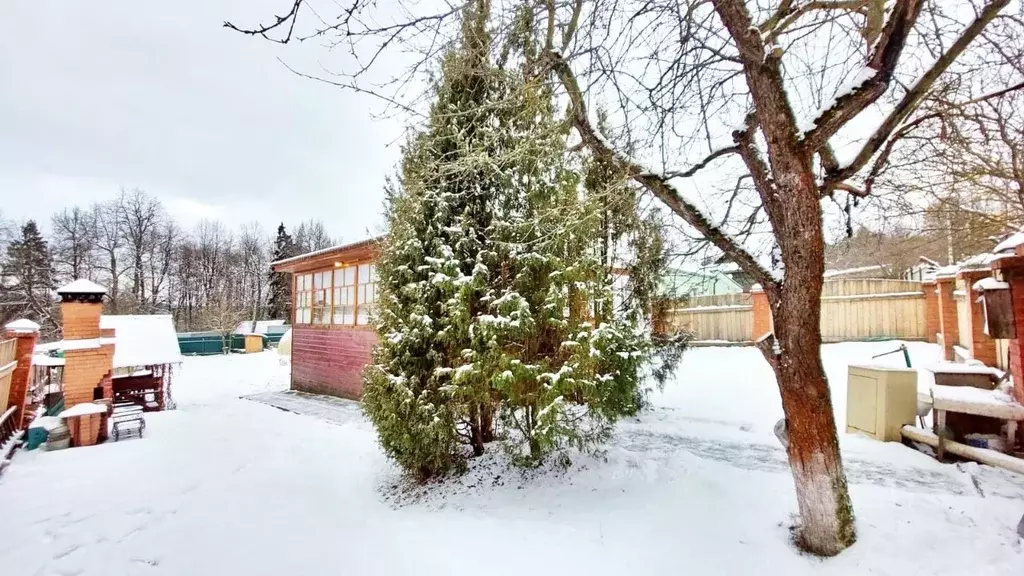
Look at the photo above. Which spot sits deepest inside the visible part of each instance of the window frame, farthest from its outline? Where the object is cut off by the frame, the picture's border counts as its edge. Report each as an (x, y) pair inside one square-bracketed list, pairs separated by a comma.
[(317, 297)]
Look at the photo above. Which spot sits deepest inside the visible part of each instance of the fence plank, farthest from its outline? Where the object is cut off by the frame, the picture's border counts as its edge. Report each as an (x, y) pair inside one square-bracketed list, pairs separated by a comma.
[(851, 309)]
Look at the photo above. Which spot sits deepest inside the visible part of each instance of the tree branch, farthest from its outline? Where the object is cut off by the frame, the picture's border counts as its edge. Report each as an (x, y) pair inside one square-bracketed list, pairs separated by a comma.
[(655, 183), (290, 18), (916, 93), (881, 65)]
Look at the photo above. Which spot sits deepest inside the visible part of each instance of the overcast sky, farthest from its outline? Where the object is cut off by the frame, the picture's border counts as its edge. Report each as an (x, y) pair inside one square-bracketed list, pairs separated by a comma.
[(99, 94)]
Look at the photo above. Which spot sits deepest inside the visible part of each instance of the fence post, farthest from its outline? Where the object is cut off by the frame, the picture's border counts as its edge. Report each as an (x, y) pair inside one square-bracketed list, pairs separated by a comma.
[(981, 345), (931, 311), (762, 312), (947, 315), (25, 332)]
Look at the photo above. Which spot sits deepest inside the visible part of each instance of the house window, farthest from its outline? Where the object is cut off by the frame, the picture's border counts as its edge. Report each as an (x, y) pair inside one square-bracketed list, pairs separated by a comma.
[(303, 298), (344, 295), (322, 297), (367, 292)]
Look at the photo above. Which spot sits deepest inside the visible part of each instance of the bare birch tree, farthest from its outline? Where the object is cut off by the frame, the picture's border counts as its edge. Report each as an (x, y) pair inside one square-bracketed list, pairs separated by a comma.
[(781, 95)]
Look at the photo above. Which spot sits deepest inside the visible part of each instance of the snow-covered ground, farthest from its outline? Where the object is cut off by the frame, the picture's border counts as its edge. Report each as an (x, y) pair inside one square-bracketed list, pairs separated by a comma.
[(697, 485)]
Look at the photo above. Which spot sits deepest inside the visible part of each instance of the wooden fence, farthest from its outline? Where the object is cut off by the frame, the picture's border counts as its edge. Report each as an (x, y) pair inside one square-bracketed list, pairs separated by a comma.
[(7, 365), (851, 309), (728, 317)]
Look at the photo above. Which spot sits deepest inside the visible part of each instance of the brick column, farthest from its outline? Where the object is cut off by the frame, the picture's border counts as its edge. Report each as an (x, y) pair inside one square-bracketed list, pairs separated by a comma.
[(981, 345), (948, 326), (762, 312), (931, 311), (1011, 271), (26, 332), (87, 360)]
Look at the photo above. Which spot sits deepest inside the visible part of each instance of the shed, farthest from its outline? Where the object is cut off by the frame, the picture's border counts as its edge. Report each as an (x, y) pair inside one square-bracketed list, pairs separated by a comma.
[(334, 291)]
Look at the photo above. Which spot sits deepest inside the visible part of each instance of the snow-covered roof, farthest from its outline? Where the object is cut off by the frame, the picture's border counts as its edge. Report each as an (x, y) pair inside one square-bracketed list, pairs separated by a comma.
[(1010, 243), (143, 340), (22, 326), (261, 326), (328, 250), (82, 286)]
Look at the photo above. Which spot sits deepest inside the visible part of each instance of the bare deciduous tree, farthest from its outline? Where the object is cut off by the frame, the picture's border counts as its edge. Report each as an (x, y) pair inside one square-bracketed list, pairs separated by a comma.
[(74, 236)]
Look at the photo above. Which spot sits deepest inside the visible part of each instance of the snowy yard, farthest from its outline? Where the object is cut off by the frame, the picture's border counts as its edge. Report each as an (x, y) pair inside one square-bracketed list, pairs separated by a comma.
[(697, 485)]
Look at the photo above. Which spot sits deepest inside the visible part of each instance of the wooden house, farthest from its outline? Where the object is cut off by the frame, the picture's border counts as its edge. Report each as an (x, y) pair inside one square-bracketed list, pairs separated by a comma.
[(333, 295)]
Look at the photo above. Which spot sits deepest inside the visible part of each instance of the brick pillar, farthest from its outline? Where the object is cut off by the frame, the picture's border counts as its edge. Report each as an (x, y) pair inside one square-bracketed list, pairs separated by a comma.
[(948, 326), (931, 312), (87, 362), (1016, 352), (981, 345), (762, 312), (26, 333)]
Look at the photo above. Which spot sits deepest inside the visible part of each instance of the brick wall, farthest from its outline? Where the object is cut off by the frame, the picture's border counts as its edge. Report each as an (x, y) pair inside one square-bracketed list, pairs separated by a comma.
[(84, 370), (331, 360), (81, 320), (90, 367), (762, 314)]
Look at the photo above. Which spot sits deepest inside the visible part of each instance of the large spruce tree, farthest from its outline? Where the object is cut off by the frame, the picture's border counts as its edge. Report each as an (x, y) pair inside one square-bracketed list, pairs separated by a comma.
[(279, 303), (29, 267), (491, 279)]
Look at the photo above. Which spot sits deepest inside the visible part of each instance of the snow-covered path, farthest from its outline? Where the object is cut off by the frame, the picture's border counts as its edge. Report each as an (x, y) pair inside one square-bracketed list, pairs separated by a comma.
[(697, 485)]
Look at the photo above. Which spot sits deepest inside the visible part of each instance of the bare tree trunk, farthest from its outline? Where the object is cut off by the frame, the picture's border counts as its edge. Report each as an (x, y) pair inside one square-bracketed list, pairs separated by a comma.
[(826, 513)]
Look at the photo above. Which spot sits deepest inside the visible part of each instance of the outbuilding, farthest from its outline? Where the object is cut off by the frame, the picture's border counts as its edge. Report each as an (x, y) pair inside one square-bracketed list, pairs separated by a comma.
[(333, 295)]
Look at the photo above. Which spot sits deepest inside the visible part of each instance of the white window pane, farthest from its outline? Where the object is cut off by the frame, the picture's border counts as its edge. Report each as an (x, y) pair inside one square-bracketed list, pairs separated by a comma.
[(373, 273), (350, 294), (364, 273), (350, 276), (362, 317)]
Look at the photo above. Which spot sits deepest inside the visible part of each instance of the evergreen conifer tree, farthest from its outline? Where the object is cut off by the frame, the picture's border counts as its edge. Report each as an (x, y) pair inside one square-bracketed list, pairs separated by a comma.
[(496, 302), (433, 268), (279, 303), (30, 266)]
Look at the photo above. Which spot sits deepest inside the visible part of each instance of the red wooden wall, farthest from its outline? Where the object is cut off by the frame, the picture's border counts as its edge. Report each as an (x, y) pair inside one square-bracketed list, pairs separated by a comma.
[(331, 360)]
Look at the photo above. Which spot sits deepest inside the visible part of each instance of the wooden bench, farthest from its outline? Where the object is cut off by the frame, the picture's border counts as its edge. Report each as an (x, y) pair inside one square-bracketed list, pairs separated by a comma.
[(128, 420), (969, 400)]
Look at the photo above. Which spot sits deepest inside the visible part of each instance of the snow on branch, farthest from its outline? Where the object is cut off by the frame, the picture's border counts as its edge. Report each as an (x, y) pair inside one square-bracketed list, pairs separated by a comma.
[(657, 184), (886, 57)]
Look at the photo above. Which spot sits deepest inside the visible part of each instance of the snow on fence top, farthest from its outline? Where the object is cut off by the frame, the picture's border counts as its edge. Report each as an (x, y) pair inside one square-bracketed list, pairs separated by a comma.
[(82, 286), (990, 283), (143, 340), (848, 271)]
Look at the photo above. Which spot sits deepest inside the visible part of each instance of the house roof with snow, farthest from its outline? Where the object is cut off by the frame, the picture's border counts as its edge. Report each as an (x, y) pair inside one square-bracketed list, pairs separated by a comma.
[(333, 256), (143, 340), (257, 327), (873, 271), (681, 282)]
